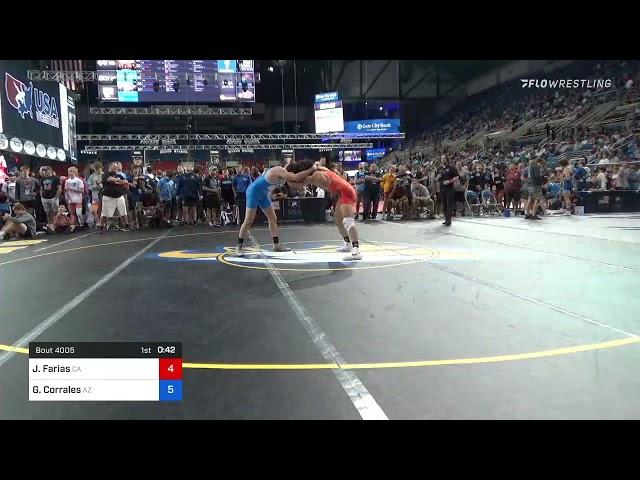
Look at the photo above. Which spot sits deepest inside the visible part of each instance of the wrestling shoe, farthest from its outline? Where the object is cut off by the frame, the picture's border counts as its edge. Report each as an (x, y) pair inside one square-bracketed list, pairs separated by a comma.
[(346, 248), (355, 255), (278, 247), (239, 251)]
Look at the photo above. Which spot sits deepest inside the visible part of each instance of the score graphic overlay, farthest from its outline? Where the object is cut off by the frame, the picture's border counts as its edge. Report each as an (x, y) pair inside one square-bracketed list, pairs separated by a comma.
[(105, 371)]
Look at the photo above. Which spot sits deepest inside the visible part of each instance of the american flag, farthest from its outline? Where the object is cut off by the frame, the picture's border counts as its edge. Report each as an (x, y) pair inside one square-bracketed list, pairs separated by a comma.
[(68, 66)]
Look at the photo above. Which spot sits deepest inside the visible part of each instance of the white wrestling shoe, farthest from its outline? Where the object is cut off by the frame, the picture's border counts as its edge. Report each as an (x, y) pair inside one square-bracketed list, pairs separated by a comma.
[(239, 251), (345, 248), (355, 255), (278, 247)]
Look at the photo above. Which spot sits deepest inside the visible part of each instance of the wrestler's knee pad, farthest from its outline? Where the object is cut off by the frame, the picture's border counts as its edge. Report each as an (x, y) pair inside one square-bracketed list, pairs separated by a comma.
[(348, 223)]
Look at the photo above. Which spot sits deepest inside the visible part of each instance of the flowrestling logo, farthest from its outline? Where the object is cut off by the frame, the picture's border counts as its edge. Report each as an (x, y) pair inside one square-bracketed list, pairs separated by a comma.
[(565, 83), (23, 97)]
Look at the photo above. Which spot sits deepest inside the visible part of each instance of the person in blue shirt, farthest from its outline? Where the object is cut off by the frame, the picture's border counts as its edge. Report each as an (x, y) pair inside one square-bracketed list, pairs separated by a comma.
[(166, 186), (240, 184), (580, 175)]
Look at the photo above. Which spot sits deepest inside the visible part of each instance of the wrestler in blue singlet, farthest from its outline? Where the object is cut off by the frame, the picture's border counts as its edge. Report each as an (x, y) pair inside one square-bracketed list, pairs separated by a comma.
[(258, 193)]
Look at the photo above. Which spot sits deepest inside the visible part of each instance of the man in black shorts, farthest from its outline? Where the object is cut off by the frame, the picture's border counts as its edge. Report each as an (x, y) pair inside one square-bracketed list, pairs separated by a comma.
[(191, 188), (211, 197)]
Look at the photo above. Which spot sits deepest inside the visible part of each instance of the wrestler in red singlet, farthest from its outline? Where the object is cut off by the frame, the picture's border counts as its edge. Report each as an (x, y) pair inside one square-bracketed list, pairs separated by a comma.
[(345, 211), (340, 186)]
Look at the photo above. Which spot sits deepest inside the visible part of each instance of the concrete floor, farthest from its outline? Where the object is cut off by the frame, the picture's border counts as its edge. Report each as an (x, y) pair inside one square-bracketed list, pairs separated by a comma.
[(510, 319)]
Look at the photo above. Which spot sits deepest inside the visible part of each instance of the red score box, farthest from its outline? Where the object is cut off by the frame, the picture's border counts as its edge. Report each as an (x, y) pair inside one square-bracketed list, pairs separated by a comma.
[(170, 369)]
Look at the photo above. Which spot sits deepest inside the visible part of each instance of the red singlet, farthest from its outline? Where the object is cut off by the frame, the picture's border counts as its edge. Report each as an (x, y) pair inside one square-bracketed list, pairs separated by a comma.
[(339, 185)]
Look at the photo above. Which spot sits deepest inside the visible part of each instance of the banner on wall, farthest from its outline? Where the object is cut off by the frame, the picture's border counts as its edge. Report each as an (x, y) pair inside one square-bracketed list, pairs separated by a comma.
[(383, 125), (38, 117)]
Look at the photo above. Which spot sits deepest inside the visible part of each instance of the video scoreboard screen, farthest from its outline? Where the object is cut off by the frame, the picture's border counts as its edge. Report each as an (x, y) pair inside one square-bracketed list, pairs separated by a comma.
[(176, 80), (328, 113)]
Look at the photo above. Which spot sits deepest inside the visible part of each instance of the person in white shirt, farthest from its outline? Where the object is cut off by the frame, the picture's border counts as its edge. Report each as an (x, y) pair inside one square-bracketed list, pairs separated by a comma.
[(74, 189), (9, 187), (601, 178), (622, 180)]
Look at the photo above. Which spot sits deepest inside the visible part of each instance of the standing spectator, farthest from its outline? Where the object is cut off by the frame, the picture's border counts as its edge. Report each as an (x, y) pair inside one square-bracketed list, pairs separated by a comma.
[(535, 189), (512, 187), (178, 189), (460, 187), (580, 175), (434, 184), (95, 187), (240, 184), (498, 182), (371, 193), (74, 189), (50, 190), (114, 192), (226, 188), (447, 178), (26, 187), (9, 187), (567, 185), (211, 198), (138, 184), (167, 189), (359, 184), (191, 189), (255, 173), (21, 223), (388, 181), (151, 179)]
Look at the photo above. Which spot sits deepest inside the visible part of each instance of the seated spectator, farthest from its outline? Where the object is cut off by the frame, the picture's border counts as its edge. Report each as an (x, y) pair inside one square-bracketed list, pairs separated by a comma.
[(634, 177), (399, 199), (622, 180), (149, 202), (61, 221), (477, 180), (601, 178), (21, 224), (4, 204), (421, 197)]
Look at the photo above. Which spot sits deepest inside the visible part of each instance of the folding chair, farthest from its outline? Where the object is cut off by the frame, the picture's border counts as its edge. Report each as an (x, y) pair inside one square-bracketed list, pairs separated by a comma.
[(490, 203), (473, 203)]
